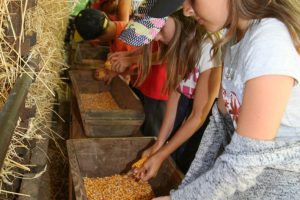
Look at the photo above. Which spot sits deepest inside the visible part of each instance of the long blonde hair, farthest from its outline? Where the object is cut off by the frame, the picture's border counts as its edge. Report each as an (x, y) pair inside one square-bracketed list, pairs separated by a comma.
[(287, 11), (181, 55)]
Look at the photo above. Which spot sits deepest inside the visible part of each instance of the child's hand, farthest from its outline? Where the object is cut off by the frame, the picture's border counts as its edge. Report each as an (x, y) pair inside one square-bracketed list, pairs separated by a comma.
[(121, 64), (149, 168)]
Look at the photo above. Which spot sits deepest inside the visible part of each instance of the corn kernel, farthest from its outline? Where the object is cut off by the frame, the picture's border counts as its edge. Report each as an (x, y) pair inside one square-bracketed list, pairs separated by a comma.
[(117, 187)]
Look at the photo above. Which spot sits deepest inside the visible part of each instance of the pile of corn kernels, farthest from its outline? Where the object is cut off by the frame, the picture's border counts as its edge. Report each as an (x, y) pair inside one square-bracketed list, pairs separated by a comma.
[(99, 101), (117, 187)]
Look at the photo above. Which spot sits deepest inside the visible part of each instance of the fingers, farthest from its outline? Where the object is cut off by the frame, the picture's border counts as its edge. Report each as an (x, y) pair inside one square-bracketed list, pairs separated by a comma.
[(146, 172), (139, 172), (118, 67), (115, 66), (119, 62)]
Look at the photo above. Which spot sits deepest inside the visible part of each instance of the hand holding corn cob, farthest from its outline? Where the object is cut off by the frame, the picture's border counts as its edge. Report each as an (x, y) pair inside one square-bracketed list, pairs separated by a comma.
[(137, 165)]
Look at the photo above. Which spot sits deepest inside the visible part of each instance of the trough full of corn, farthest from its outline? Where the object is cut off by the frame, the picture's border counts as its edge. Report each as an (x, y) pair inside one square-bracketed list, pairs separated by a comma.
[(106, 110), (102, 157)]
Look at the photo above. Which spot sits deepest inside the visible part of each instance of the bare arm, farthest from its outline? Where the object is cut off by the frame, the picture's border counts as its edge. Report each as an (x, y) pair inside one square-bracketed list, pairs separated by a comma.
[(206, 91), (167, 125), (169, 118), (123, 10), (264, 103)]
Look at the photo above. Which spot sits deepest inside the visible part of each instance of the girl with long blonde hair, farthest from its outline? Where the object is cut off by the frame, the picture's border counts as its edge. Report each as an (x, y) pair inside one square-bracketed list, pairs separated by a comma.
[(193, 79), (251, 147)]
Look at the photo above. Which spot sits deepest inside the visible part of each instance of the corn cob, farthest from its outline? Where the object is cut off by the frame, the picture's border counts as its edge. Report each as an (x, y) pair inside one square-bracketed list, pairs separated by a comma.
[(107, 65), (139, 163)]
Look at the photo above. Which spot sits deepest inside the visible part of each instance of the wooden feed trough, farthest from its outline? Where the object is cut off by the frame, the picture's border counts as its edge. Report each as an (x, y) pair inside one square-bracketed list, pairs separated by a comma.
[(100, 118), (101, 157)]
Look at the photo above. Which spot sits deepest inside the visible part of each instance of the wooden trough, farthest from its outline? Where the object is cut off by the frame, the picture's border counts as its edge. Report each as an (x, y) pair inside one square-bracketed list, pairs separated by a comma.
[(100, 157), (98, 122)]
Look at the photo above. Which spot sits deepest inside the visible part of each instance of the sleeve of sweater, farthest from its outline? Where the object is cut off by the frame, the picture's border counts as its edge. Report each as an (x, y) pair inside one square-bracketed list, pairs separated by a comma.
[(213, 142), (237, 168)]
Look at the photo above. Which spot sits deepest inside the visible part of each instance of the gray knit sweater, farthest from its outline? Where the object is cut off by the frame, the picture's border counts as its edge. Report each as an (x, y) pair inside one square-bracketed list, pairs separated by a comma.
[(229, 166)]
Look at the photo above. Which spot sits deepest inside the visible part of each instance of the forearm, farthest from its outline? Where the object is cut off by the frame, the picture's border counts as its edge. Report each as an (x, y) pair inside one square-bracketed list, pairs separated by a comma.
[(169, 117), (188, 128)]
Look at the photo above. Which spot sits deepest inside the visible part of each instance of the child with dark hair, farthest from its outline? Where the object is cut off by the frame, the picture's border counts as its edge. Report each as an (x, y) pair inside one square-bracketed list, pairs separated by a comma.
[(91, 23), (94, 25)]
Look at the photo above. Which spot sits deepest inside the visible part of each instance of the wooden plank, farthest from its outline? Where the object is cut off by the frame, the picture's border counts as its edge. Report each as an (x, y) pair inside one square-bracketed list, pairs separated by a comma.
[(95, 129), (77, 180), (118, 89), (76, 127), (71, 187)]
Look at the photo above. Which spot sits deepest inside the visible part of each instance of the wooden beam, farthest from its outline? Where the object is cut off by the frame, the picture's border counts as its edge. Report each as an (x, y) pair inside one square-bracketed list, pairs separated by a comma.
[(10, 113)]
